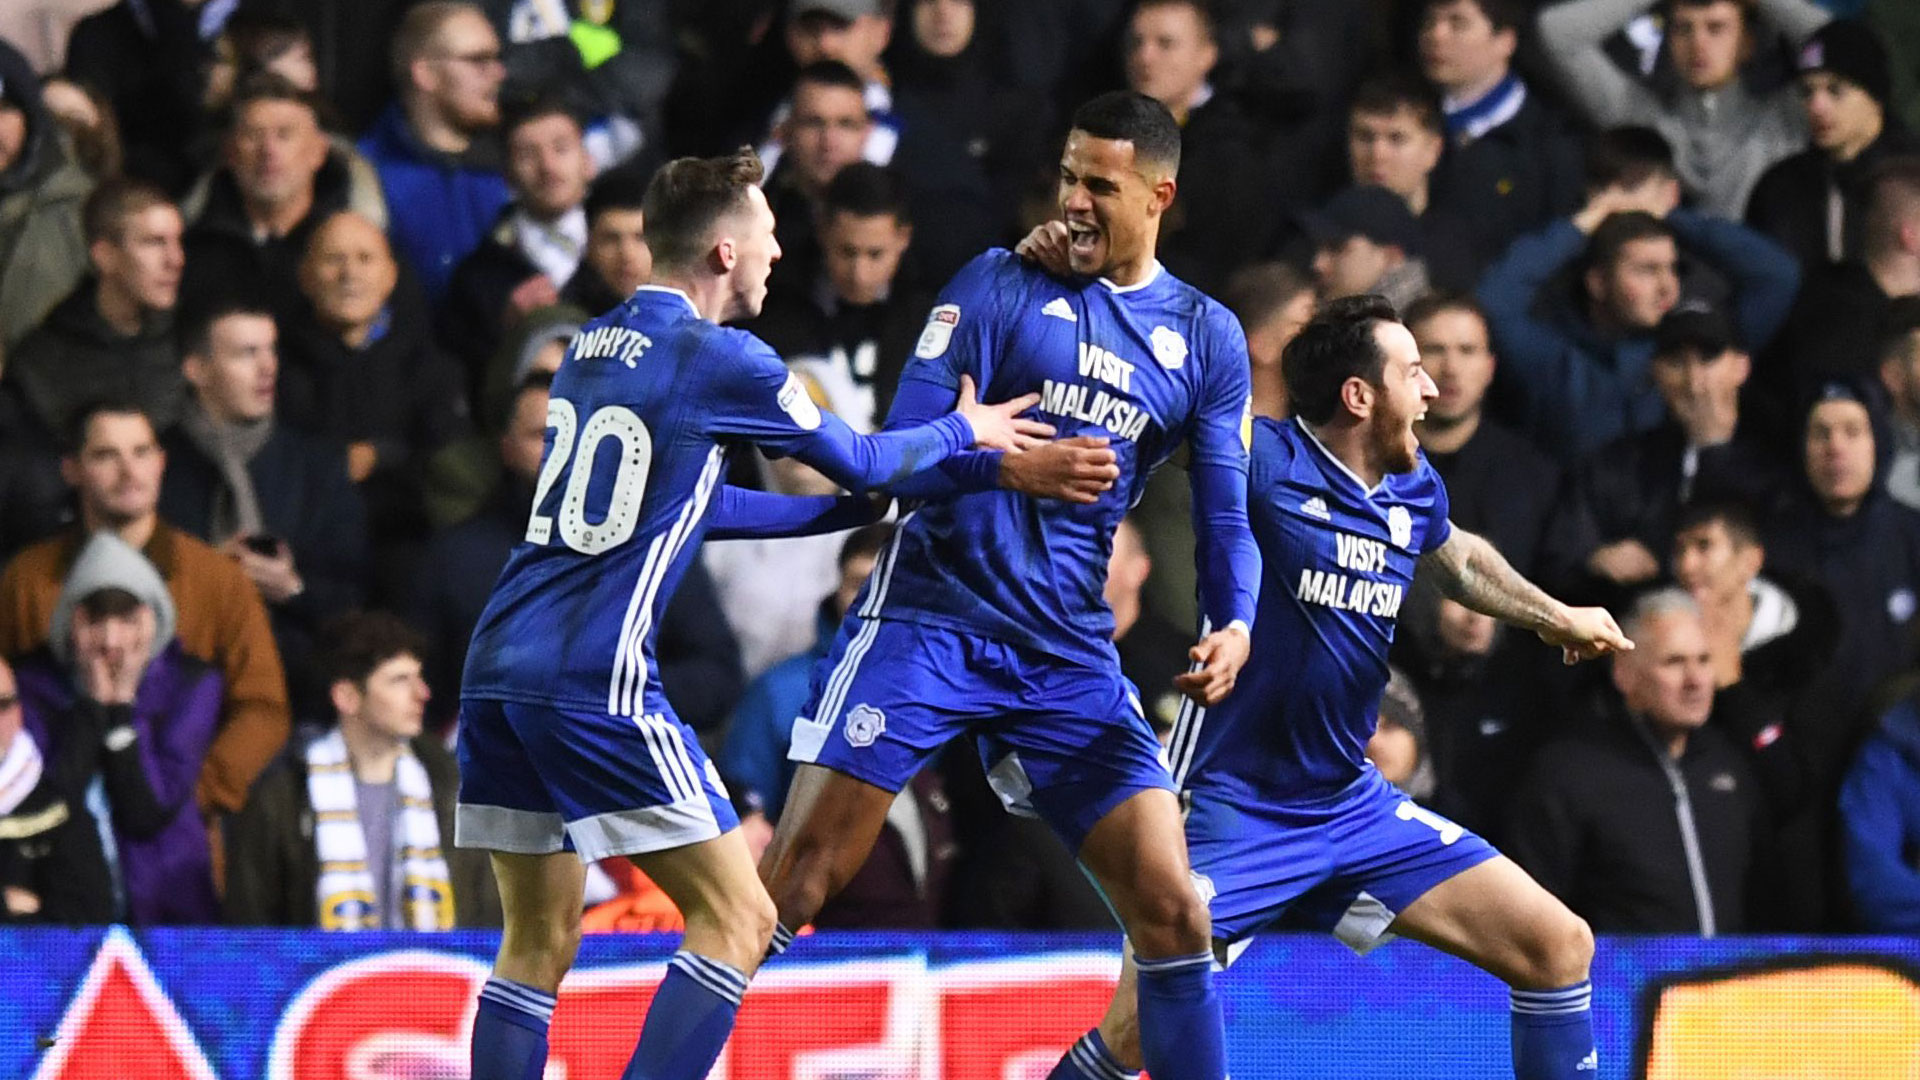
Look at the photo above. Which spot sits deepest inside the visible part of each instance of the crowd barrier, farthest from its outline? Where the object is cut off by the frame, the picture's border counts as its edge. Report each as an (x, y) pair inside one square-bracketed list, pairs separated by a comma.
[(110, 1004)]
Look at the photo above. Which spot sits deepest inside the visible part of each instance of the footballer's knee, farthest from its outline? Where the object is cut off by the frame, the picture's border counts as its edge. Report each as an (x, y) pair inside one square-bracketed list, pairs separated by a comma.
[(1559, 953), (805, 874), (1170, 920), (539, 952), (736, 930)]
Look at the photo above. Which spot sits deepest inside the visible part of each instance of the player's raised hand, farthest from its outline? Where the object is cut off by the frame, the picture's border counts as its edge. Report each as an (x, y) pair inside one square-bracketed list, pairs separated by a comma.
[(1220, 655), (1074, 470), (999, 427), (1047, 246), (1587, 634)]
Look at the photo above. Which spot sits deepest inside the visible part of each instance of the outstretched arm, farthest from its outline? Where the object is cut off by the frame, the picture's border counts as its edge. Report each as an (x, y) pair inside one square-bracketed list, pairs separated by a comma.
[(744, 514), (1471, 571)]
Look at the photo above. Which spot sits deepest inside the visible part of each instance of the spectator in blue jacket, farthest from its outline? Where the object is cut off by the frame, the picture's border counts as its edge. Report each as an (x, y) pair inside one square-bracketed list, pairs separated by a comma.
[(1880, 824), (1582, 366), (754, 758), (435, 147)]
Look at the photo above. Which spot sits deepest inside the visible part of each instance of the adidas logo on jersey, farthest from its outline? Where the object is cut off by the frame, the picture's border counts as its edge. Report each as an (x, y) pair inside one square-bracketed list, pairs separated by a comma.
[(1590, 1063), (1316, 507), (1060, 309)]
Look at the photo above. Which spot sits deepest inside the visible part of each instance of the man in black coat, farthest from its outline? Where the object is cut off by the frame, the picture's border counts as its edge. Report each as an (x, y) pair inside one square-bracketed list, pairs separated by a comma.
[(277, 500), (1513, 161), (1815, 202), (52, 869), (280, 179), (1649, 823)]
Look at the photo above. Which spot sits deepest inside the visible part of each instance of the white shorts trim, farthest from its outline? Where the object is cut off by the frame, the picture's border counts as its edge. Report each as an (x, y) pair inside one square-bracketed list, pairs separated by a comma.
[(636, 832), (501, 828), (1364, 927)]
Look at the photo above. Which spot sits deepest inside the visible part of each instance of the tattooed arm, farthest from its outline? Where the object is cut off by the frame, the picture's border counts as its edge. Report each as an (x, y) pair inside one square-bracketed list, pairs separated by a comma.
[(1471, 572)]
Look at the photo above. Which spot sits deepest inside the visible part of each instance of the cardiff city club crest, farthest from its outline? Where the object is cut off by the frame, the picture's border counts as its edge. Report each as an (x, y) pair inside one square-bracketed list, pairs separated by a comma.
[(864, 725), (1400, 527)]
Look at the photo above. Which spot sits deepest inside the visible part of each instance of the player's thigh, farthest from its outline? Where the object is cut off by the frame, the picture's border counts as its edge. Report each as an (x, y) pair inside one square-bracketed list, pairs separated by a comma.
[(1138, 854), (1497, 917), (713, 883)]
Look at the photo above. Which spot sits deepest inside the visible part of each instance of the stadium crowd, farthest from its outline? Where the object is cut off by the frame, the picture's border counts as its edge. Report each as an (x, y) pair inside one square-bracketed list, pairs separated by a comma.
[(284, 283)]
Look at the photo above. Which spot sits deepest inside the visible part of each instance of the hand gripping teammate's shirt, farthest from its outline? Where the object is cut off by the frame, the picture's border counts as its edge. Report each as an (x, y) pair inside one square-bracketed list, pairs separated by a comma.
[(643, 409), (1338, 558), (1147, 366)]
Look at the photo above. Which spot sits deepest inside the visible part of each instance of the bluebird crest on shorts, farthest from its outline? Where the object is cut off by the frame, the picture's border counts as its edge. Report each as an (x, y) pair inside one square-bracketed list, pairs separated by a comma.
[(864, 725)]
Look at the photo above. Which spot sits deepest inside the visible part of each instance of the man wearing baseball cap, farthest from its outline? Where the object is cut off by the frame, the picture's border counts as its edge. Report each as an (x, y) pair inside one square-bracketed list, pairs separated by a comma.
[(1366, 240), (1814, 203)]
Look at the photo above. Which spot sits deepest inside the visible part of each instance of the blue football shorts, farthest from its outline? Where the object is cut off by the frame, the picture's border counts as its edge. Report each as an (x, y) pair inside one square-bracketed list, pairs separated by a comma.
[(1349, 863), (537, 779), (1064, 742)]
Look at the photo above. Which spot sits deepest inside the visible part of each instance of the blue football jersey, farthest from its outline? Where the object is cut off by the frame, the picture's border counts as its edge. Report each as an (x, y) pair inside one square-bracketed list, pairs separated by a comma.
[(642, 412), (1147, 366), (1338, 561)]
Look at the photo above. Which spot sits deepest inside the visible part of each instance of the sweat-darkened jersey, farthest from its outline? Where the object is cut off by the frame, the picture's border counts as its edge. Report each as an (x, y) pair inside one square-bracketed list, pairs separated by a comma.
[(1338, 560), (642, 412), (1147, 366)]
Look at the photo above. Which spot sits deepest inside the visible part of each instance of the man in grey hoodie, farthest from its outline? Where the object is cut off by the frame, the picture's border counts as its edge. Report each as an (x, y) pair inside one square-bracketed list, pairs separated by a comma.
[(1724, 134), (132, 717)]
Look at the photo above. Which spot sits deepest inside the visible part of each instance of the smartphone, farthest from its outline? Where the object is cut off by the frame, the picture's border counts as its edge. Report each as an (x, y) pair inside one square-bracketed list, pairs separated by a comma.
[(263, 544)]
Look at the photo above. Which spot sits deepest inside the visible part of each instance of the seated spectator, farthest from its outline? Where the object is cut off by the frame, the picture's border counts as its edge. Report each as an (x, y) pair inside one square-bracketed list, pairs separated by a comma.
[(824, 133), (1836, 327), (255, 42), (617, 259), (1582, 364), (1649, 824), (114, 465), (970, 142), (1900, 376), (353, 829), (435, 147), (42, 188), (609, 61), (1500, 486), (275, 500), (51, 866), (533, 249), (1615, 523), (1814, 203), (1880, 825), (1394, 141), (1366, 240), (131, 716), (1771, 637), (1725, 134), (851, 330), (1844, 534), (1512, 161), (361, 369), (1398, 746), (146, 57), (279, 179), (1224, 212), (113, 334)]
